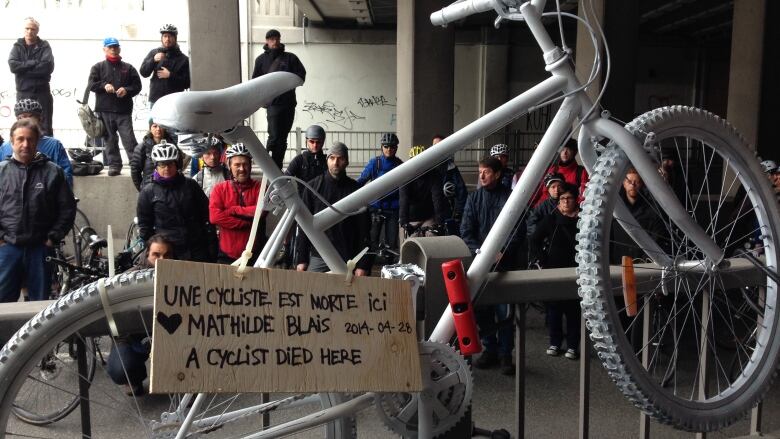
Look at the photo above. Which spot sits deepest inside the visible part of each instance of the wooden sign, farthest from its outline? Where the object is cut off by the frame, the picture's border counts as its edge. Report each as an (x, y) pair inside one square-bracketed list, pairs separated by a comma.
[(280, 331)]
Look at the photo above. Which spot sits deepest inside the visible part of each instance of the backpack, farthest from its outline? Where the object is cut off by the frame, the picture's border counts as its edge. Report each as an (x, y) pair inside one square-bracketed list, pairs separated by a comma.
[(83, 169), (91, 123)]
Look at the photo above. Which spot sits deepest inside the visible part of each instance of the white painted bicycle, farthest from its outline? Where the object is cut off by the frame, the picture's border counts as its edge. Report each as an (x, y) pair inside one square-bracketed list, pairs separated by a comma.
[(711, 345)]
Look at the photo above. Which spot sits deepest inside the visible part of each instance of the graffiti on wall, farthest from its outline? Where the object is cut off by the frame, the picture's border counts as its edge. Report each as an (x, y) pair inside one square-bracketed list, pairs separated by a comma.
[(374, 101), (330, 115)]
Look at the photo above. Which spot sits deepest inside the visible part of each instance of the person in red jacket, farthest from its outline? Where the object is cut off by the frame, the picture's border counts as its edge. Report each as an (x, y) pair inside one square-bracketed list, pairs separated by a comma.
[(572, 173), (232, 207)]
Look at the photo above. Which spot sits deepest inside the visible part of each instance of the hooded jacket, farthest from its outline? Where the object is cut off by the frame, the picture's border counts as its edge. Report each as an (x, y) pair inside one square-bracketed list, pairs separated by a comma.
[(51, 148), (179, 210), (232, 208), (176, 62), (32, 66), (141, 163), (37, 202), (554, 241), (423, 199), (307, 165), (288, 62), (375, 168)]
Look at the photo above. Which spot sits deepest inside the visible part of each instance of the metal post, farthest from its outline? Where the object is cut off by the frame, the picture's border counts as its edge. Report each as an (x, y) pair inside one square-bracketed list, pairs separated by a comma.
[(703, 381), (644, 420), (756, 414), (520, 313), (584, 424), (81, 359)]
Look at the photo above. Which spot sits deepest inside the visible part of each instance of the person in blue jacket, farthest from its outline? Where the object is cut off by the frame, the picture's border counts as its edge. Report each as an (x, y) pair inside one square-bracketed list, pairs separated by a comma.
[(49, 146), (384, 211)]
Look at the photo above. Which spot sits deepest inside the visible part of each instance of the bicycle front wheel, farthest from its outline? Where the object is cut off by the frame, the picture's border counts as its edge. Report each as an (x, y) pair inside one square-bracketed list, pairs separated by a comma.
[(117, 408), (680, 372)]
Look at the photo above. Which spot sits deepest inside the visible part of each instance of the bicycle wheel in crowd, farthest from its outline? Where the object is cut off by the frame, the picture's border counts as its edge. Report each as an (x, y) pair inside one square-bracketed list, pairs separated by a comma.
[(133, 243), (35, 403), (712, 346), (79, 315)]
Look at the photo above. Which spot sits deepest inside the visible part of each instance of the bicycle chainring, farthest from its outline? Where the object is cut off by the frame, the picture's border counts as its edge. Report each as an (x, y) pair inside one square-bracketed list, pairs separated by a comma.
[(448, 391)]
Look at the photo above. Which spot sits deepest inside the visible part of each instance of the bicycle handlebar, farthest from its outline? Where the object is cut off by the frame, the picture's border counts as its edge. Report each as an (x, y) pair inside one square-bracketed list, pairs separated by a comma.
[(457, 11)]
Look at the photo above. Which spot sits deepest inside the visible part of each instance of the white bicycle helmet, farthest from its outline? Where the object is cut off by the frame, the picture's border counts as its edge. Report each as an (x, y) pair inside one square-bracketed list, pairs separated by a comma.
[(169, 29), (237, 149), (499, 149), (769, 166), (164, 152)]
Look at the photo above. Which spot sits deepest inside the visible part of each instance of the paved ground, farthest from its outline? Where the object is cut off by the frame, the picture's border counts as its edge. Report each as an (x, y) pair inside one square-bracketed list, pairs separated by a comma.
[(551, 405)]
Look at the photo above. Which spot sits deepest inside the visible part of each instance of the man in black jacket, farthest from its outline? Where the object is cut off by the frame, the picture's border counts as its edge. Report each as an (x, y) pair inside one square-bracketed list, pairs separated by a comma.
[(421, 202), (350, 236), (281, 112), (496, 329), (115, 83), (170, 66), (38, 210), (32, 62)]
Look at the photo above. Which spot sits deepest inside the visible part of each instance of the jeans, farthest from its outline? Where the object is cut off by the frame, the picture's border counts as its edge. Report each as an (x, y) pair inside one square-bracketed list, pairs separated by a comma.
[(23, 265), (280, 121), (127, 360), (117, 125), (387, 220), (555, 313), (496, 328)]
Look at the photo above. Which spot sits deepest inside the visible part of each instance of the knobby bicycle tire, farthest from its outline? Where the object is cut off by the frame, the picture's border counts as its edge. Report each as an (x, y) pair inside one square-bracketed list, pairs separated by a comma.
[(130, 294), (676, 392)]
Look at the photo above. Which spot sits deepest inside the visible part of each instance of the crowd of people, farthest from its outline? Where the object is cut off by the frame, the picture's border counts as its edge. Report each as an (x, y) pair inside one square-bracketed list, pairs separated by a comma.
[(208, 217)]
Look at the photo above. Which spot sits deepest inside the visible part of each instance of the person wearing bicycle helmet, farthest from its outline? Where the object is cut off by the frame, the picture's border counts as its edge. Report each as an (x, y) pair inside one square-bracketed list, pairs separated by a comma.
[(573, 173), (51, 147), (384, 211), (281, 112), (501, 152), (496, 329), (168, 67), (232, 207), (422, 202), (454, 190), (310, 163), (32, 63), (213, 171), (141, 164), (772, 172), (115, 84), (38, 211), (349, 236), (175, 206), (126, 364)]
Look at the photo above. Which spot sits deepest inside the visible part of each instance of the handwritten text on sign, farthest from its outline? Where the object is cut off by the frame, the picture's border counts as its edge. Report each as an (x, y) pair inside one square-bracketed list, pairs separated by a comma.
[(280, 331)]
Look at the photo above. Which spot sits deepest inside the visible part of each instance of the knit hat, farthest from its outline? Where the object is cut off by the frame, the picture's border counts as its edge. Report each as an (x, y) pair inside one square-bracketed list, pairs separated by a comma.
[(273, 33), (339, 149)]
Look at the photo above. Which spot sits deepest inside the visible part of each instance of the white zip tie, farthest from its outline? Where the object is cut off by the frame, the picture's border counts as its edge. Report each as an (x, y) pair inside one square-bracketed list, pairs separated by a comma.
[(351, 265), (101, 286), (246, 255)]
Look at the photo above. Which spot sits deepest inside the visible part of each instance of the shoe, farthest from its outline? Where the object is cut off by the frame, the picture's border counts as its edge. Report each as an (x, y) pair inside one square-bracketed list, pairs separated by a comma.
[(113, 172), (486, 360), (571, 354), (553, 351), (507, 368)]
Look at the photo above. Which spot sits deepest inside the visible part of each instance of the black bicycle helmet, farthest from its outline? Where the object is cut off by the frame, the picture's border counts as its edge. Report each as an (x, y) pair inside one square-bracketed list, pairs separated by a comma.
[(315, 132), (80, 155), (389, 139), (552, 177)]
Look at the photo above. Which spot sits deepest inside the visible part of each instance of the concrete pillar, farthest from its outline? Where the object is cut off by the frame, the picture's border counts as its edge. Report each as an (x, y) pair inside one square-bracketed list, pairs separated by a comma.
[(493, 79), (425, 73), (770, 111), (747, 49), (215, 44), (584, 51), (621, 27)]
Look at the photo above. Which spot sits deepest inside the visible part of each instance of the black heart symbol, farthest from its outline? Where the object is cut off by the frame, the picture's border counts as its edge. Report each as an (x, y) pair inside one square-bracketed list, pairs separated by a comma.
[(170, 323)]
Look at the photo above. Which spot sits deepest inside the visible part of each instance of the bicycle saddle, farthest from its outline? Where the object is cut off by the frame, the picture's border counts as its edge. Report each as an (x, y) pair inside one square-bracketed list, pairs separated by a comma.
[(216, 111)]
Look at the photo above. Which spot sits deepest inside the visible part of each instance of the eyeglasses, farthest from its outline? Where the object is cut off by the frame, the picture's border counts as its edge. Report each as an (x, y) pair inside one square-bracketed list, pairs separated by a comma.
[(390, 146), (166, 164), (566, 198)]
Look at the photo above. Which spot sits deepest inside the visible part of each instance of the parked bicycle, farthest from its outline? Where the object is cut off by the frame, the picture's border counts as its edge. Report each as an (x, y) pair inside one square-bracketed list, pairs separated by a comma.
[(695, 272)]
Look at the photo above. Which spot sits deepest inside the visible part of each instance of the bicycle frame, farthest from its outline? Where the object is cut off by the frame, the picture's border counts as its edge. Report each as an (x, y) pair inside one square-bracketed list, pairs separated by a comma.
[(576, 105)]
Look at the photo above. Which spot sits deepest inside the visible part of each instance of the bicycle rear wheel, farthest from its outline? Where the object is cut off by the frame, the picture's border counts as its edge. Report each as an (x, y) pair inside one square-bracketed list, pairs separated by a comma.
[(687, 378), (80, 315)]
